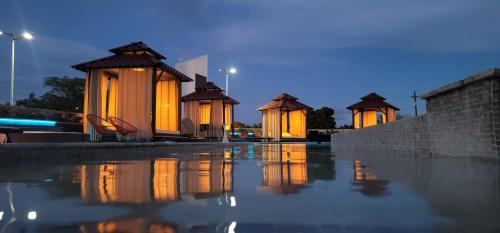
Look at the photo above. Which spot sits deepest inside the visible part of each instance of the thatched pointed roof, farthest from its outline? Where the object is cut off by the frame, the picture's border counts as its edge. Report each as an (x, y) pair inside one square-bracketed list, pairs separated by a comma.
[(133, 55), (372, 101), (208, 91), (134, 47), (284, 102)]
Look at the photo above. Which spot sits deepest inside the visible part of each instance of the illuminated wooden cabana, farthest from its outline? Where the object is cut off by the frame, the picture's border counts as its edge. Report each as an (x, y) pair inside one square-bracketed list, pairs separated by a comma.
[(371, 110), (209, 110), (134, 85), (284, 118)]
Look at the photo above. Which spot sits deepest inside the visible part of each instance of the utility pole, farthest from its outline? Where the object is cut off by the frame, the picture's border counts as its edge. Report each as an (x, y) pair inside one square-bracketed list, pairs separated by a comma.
[(414, 96)]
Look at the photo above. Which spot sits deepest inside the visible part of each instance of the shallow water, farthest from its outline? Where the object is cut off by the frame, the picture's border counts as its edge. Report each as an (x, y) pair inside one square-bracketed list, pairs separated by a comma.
[(254, 188)]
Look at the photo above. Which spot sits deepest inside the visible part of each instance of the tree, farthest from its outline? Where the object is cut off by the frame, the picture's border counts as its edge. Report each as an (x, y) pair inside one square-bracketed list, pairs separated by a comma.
[(322, 118), (65, 94), (243, 125), (31, 102)]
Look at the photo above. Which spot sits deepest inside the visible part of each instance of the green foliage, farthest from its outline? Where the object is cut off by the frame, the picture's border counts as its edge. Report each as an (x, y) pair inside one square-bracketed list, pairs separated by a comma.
[(257, 126), (321, 119), (345, 126), (65, 94), (243, 125)]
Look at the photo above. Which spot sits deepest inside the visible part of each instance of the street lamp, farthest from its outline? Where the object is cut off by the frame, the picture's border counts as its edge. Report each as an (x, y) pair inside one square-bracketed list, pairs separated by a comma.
[(230, 71), (14, 37)]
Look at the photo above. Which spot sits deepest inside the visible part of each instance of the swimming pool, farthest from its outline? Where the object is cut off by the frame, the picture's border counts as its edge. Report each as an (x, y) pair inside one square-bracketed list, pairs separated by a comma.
[(253, 188), (26, 122)]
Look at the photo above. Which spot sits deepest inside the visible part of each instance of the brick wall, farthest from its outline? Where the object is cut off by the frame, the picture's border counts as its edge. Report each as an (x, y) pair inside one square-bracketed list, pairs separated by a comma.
[(463, 119)]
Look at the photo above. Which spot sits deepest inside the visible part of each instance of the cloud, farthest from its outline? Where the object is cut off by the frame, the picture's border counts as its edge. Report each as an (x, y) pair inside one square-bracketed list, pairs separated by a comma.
[(429, 25), (55, 55)]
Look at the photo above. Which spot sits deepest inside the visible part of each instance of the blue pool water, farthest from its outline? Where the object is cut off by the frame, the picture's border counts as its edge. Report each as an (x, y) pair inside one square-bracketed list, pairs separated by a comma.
[(26, 122), (253, 188)]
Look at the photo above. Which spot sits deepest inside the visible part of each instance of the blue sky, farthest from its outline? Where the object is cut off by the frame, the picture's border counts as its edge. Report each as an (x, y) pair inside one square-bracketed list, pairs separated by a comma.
[(326, 52)]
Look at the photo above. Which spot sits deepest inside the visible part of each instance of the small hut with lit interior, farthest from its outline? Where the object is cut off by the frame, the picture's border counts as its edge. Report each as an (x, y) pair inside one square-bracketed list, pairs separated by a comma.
[(133, 84), (210, 111), (371, 110), (284, 118)]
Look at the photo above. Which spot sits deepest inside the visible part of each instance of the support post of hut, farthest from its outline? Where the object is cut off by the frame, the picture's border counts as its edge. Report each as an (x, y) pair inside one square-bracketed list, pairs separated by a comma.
[(179, 105), (386, 114), (281, 127), (232, 119), (153, 102), (362, 119), (288, 121), (307, 121), (224, 112), (353, 120)]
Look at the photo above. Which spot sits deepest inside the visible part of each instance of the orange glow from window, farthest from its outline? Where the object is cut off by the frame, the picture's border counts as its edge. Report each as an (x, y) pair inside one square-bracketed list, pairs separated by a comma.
[(369, 118), (165, 180), (205, 113), (227, 115), (167, 105)]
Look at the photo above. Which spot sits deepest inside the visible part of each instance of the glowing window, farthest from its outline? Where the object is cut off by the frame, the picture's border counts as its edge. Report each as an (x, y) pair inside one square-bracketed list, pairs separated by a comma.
[(204, 113)]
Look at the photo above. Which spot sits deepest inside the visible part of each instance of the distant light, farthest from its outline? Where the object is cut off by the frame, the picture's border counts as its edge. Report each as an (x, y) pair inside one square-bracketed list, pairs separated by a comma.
[(138, 69), (233, 201), (1, 212), (32, 215), (26, 122), (1, 33), (27, 36), (232, 227), (232, 71)]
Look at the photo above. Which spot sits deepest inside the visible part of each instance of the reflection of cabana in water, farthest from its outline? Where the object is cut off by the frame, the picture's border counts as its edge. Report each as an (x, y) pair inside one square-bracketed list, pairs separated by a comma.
[(138, 182), (364, 113), (284, 168), (134, 84), (128, 225), (209, 109), (284, 118), (369, 184), (161, 180), (206, 178)]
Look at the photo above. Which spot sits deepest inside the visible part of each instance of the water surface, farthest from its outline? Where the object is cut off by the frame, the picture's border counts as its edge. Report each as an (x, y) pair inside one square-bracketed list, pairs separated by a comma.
[(254, 188)]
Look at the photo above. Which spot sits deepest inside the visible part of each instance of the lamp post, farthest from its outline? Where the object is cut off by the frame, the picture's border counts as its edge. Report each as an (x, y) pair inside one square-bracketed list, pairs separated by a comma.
[(230, 71), (14, 38)]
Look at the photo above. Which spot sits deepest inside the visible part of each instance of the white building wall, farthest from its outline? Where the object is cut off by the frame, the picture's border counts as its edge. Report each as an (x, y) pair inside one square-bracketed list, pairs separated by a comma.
[(197, 65), (191, 67)]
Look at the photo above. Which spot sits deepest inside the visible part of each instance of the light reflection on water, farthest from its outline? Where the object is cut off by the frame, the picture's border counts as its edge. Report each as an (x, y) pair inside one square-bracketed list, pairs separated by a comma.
[(252, 188)]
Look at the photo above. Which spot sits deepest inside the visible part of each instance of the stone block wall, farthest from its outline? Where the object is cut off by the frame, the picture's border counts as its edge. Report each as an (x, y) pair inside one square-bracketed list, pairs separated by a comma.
[(463, 119)]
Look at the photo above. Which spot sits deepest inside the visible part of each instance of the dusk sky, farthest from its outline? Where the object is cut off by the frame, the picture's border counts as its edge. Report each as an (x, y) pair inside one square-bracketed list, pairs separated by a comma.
[(325, 52)]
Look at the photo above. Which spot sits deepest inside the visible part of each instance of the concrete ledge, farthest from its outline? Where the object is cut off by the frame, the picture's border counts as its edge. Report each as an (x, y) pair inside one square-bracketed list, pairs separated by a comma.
[(490, 73)]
